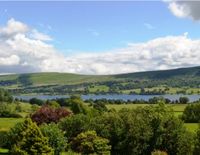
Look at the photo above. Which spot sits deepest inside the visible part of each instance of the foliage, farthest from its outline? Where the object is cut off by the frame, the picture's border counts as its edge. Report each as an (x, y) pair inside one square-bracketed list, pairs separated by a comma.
[(55, 136), (100, 107), (158, 152), (111, 126), (53, 104), (89, 143), (47, 114), (184, 100), (26, 138), (5, 96), (74, 125), (36, 101), (7, 111), (3, 138), (191, 114), (197, 142), (78, 106)]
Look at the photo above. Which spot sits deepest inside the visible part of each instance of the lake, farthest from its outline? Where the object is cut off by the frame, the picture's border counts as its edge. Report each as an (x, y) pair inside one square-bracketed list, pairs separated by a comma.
[(113, 96)]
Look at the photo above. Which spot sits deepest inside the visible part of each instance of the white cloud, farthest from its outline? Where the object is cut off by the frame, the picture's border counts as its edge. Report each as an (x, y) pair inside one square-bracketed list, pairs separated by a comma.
[(7, 61), (20, 52), (13, 27), (185, 9), (40, 36)]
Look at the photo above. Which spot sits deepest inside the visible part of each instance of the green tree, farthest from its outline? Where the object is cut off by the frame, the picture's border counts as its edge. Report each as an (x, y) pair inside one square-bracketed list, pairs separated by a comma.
[(5, 96), (89, 143), (26, 138), (197, 142), (55, 136), (191, 113), (111, 126), (184, 100), (74, 125), (78, 106)]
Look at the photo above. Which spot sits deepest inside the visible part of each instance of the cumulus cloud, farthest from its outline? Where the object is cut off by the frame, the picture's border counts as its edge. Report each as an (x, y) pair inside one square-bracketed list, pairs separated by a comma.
[(21, 53), (185, 9), (13, 27), (40, 36)]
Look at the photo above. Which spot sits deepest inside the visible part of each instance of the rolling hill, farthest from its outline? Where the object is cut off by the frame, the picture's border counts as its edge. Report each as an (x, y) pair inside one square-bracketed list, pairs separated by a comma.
[(182, 77)]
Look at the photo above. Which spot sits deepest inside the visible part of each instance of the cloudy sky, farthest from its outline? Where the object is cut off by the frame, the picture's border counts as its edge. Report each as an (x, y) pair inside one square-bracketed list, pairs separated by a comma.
[(98, 37)]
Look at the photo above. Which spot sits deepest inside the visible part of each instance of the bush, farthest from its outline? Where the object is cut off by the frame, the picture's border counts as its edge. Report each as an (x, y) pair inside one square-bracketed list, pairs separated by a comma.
[(77, 106), (26, 138), (55, 136), (197, 142), (5, 96), (191, 113), (89, 143), (100, 107), (3, 138), (47, 114), (157, 152), (74, 125), (6, 111), (52, 104), (184, 100), (36, 101)]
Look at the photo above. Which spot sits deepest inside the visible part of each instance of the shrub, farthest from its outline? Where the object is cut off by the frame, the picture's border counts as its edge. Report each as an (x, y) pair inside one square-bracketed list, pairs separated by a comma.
[(26, 138), (36, 101), (191, 113), (77, 106), (5, 96), (55, 136), (89, 143), (100, 107), (74, 125), (47, 114), (157, 152), (183, 100), (6, 111), (52, 104), (197, 142), (3, 138)]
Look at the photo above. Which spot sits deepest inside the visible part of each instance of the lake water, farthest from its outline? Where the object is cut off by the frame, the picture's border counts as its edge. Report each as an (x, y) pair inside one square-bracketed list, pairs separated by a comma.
[(113, 96)]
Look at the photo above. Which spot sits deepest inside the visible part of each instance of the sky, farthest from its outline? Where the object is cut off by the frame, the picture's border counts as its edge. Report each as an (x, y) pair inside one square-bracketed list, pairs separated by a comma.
[(98, 37)]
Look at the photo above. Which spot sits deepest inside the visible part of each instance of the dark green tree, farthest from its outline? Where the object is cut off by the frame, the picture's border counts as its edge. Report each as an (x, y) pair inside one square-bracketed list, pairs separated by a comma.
[(184, 100)]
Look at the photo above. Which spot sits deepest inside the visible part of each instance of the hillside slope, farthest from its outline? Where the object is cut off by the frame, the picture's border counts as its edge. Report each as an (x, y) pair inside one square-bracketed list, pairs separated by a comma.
[(56, 82)]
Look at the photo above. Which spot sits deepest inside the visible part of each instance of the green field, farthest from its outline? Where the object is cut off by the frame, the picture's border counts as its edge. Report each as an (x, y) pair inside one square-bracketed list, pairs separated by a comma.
[(176, 107), (7, 123)]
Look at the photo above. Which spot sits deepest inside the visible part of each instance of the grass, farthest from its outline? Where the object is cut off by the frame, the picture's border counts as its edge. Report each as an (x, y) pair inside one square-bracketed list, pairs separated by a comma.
[(176, 107), (64, 78), (192, 126), (3, 151), (93, 89), (7, 123)]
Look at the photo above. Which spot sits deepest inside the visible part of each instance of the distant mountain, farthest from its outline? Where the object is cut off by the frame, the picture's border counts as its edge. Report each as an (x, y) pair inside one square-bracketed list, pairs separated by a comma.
[(182, 77)]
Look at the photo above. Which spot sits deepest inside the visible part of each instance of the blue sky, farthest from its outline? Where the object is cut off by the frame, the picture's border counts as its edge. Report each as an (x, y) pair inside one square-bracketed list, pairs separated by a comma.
[(98, 26), (103, 37)]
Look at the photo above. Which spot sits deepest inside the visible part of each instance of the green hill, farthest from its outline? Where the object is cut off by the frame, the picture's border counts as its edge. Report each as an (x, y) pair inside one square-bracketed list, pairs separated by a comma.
[(176, 78)]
